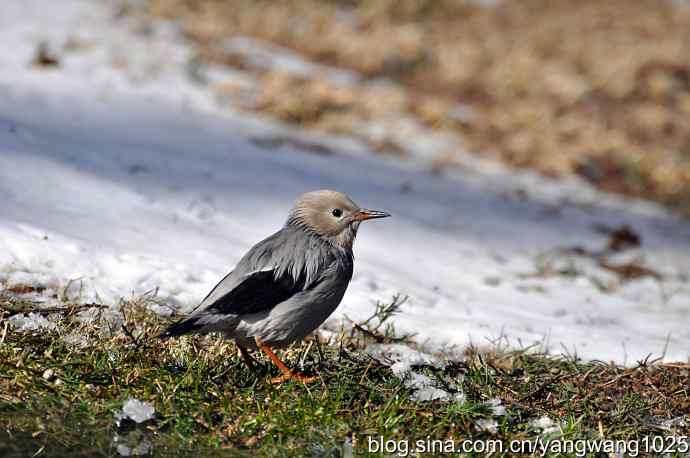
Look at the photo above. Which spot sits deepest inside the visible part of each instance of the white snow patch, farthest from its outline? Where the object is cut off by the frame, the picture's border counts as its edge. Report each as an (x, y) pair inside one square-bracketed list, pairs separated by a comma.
[(487, 425), (497, 407), (544, 424), (76, 340), (31, 322), (132, 444), (669, 423), (135, 410), (426, 389), (268, 56), (401, 358)]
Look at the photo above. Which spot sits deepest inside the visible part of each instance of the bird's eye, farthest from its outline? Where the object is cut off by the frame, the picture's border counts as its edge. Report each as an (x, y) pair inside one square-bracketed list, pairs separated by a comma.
[(337, 212)]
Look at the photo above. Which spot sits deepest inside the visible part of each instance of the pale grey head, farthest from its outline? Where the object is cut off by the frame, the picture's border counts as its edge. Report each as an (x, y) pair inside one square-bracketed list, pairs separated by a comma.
[(331, 215)]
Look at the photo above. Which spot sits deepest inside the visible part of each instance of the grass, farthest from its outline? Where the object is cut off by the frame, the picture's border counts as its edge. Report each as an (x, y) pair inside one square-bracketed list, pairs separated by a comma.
[(58, 399), (588, 88)]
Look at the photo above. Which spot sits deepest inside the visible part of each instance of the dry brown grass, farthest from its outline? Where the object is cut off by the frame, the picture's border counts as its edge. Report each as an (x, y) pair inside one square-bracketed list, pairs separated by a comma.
[(598, 89)]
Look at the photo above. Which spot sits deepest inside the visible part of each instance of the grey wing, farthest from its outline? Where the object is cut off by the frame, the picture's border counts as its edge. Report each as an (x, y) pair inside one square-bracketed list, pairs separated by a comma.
[(266, 276), (258, 291), (255, 292)]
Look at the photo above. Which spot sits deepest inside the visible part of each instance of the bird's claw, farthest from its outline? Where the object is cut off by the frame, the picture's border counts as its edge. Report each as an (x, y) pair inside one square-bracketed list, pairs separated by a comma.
[(296, 376)]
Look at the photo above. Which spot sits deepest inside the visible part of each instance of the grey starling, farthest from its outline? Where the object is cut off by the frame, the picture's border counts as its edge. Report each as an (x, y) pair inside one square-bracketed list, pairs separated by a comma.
[(287, 284)]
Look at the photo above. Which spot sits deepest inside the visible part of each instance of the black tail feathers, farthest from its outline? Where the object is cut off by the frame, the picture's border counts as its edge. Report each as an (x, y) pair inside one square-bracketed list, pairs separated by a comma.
[(184, 326)]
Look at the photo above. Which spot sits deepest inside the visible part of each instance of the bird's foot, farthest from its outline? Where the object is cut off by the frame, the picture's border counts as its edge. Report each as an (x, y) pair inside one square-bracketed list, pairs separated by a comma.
[(287, 373), (296, 376)]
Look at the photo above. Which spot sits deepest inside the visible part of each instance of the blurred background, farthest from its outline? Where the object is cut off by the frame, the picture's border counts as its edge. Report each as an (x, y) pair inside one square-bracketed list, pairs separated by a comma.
[(598, 90)]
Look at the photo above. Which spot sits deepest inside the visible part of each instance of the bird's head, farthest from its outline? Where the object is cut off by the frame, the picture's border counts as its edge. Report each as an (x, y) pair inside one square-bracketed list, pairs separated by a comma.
[(331, 215)]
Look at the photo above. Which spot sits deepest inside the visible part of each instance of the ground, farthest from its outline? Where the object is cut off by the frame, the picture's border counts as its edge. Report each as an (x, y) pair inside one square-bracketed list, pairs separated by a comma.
[(61, 397)]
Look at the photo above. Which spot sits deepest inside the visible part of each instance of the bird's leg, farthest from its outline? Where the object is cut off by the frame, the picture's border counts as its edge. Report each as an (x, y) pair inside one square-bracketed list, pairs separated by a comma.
[(287, 373), (248, 360)]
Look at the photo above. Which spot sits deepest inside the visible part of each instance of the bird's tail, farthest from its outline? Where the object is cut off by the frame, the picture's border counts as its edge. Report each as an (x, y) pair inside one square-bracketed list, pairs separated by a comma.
[(184, 326)]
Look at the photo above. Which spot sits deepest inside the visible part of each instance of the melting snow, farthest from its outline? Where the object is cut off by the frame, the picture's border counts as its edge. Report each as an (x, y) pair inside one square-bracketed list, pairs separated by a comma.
[(132, 444), (669, 423), (544, 424), (31, 322), (135, 410), (401, 358), (487, 425), (497, 407)]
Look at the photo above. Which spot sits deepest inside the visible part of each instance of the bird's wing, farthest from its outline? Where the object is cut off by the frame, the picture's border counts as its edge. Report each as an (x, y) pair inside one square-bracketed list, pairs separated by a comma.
[(267, 275), (258, 291), (255, 292)]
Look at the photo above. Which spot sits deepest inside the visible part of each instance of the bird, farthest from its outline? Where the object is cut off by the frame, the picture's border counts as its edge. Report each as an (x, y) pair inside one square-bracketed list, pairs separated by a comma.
[(286, 285)]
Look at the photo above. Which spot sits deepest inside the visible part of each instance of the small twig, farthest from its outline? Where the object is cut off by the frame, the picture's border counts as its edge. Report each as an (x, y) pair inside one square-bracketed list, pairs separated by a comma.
[(365, 372), (340, 346), (129, 334), (319, 350), (377, 337), (4, 331), (305, 354), (675, 365), (380, 338), (70, 309), (616, 379), (544, 385)]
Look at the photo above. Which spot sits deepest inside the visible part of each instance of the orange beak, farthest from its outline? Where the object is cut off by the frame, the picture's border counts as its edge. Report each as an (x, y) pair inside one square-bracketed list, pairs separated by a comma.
[(364, 214)]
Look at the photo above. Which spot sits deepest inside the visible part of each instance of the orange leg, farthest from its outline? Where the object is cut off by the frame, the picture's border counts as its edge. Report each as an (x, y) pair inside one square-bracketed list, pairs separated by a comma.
[(248, 360), (287, 373)]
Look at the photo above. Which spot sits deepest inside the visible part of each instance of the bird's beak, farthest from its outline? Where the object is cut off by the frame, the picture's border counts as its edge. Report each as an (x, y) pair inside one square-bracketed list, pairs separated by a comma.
[(364, 214)]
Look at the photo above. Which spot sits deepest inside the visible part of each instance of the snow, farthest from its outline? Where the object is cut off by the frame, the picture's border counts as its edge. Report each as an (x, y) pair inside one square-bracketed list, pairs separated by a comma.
[(497, 410), (76, 340), (490, 426), (497, 407), (119, 169), (401, 358), (669, 423), (266, 56), (49, 375), (31, 322), (135, 410), (544, 424), (133, 443)]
